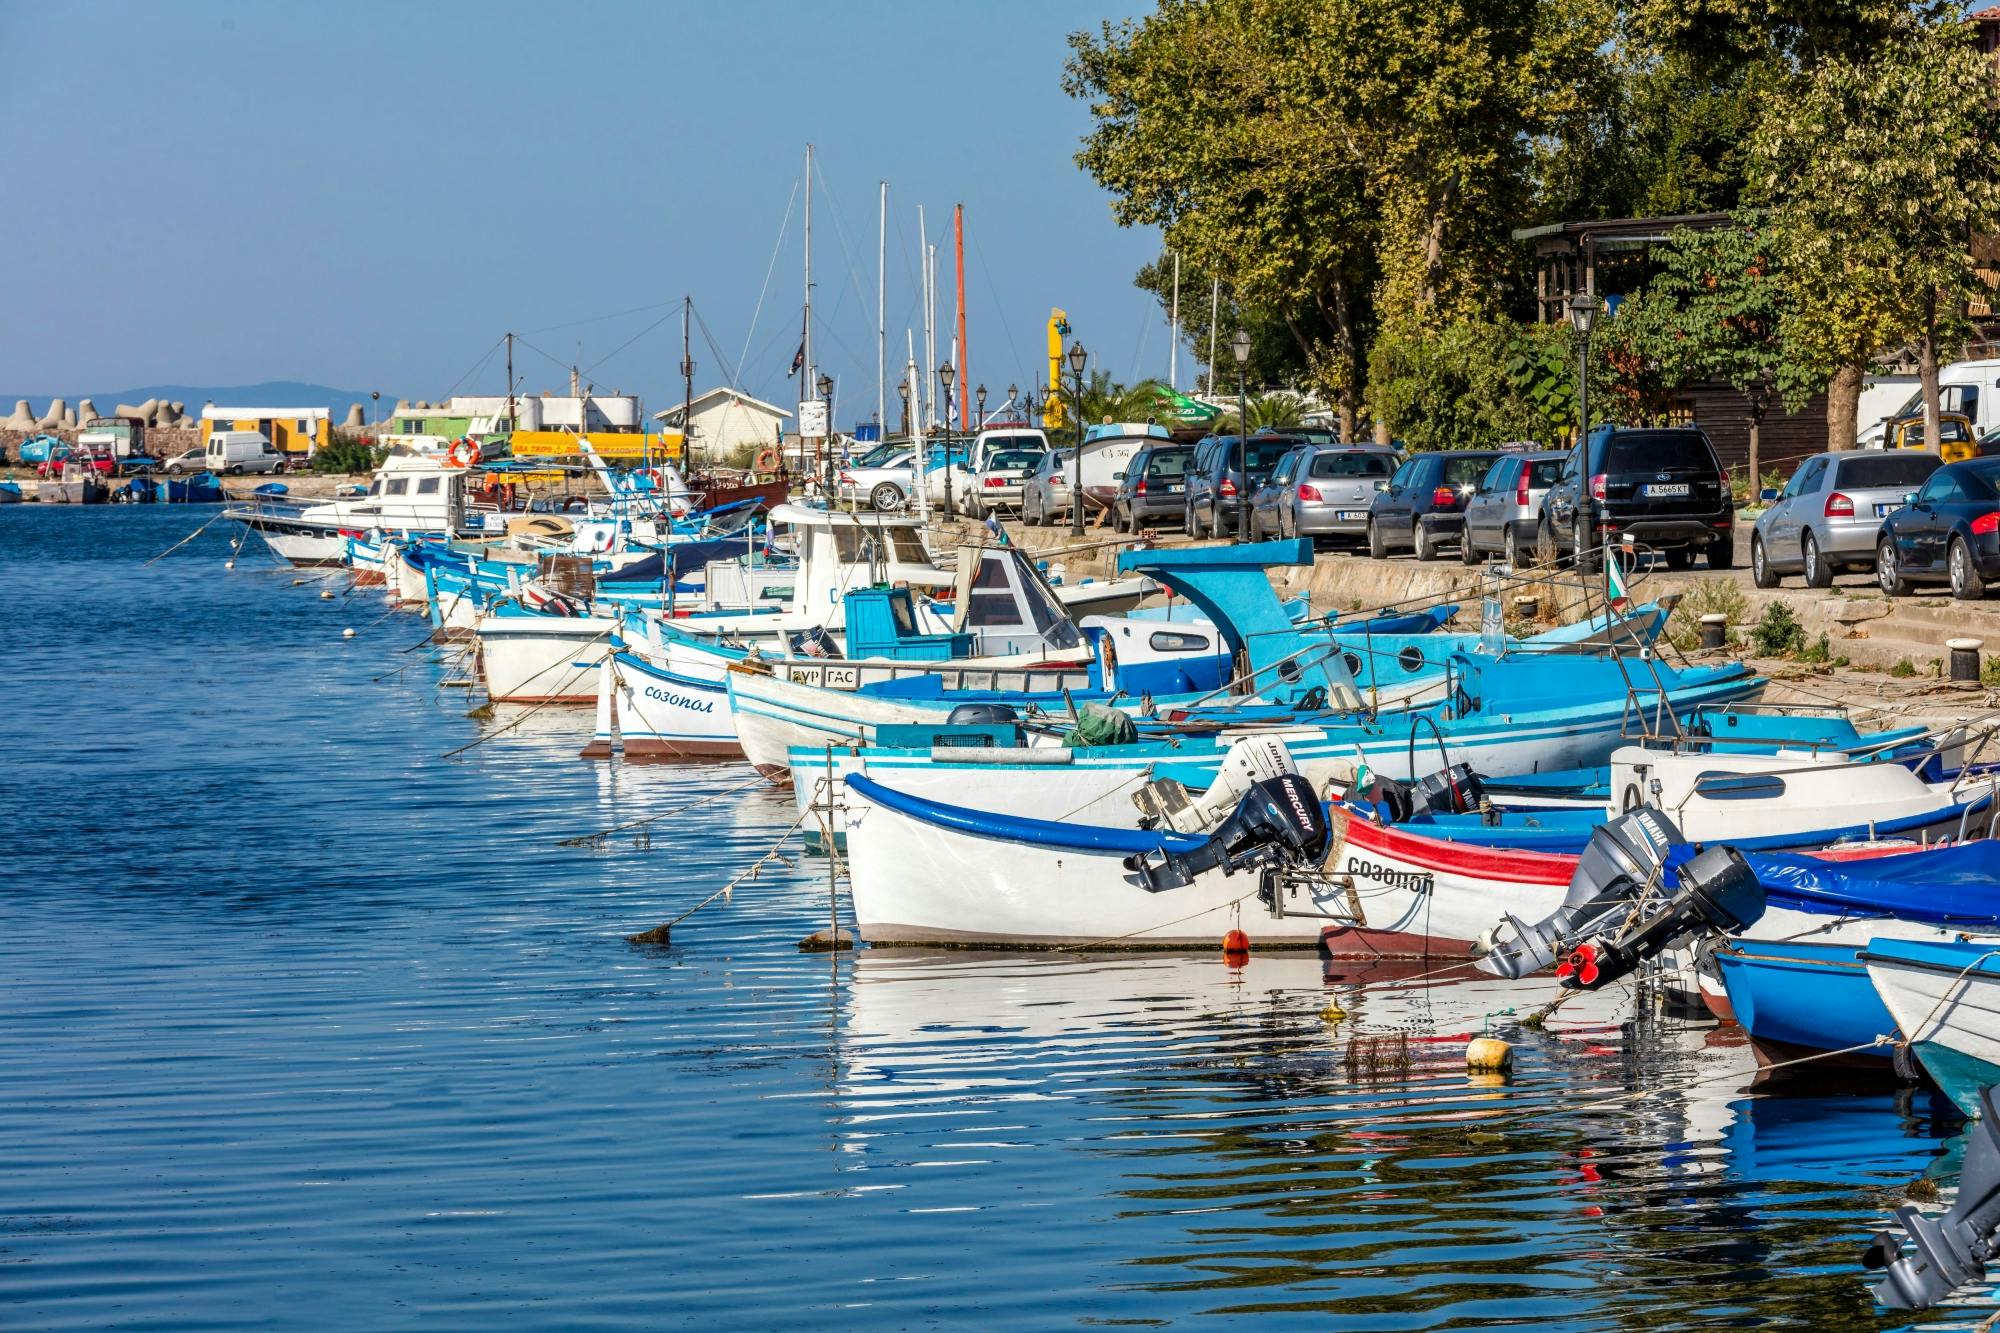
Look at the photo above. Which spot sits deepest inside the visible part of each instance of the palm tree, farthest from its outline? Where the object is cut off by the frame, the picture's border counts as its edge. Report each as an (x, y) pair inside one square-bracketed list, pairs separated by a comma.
[(1273, 411), (1104, 400)]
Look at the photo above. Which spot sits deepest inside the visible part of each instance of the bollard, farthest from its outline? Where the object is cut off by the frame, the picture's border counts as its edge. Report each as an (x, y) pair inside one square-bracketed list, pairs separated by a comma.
[(1527, 606), (1964, 659), (1714, 630)]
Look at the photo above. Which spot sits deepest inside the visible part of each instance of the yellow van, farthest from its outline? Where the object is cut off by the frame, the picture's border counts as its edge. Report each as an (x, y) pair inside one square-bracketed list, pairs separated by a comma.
[(1958, 440)]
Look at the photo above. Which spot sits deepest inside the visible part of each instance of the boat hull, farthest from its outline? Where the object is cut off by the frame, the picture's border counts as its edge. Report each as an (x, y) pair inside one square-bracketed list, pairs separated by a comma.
[(1946, 1001), (542, 659)]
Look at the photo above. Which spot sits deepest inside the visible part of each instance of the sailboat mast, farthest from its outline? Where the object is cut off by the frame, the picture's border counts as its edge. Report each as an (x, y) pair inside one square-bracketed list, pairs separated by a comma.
[(1174, 330), (510, 383), (1214, 314), (928, 403), (964, 356), (687, 387), (881, 318), (806, 385)]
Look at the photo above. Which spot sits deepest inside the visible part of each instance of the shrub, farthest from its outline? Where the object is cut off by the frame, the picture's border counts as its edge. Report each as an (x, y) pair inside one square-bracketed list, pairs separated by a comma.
[(1778, 632), (1904, 669), (348, 453)]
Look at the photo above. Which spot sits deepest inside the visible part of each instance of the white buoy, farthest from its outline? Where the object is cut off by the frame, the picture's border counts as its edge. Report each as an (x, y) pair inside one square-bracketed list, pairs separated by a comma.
[(298, 583), (347, 633), (326, 594), (229, 564)]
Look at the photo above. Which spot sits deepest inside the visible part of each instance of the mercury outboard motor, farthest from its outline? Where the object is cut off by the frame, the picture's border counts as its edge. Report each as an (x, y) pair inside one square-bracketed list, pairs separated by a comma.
[(1279, 823), (1950, 1251), (1630, 899)]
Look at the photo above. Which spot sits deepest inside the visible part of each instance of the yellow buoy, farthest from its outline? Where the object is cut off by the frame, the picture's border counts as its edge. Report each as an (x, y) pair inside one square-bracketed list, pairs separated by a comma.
[(1333, 1013), (1489, 1055)]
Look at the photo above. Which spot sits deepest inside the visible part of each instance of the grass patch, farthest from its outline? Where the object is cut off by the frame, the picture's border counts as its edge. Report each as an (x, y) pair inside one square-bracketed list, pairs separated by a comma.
[(1704, 598), (1904, 669)]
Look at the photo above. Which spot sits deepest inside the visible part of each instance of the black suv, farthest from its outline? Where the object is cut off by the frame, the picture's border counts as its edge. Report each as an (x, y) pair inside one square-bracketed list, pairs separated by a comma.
[(1665, 488), (1216, 493), (1423, 504)]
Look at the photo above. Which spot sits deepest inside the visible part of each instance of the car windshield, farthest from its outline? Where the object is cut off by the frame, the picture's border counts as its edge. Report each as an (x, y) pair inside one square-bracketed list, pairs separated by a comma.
[(1168, 463), (1261, 455), (1648, 450), (1033, 443), (880, 455), (1349, 465), (1864, 473), (1466, 470), (1014, 459)]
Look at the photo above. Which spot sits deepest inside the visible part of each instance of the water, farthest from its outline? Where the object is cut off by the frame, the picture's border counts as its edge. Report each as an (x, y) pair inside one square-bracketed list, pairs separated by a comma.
[(306, 1026)]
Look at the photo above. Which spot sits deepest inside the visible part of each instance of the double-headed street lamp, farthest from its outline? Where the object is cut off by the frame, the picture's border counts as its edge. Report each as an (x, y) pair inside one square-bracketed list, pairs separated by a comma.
[(1239, 347), (1583, 318), (1078, 359)]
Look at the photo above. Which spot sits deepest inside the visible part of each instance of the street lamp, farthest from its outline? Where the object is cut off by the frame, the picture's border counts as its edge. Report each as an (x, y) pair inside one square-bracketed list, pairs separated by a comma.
[(1583, 318), (1078, 359), (826, 433), (375, 412), (1239, 347), (1014, 400), (946, 374), (979, 394), (903, 389)]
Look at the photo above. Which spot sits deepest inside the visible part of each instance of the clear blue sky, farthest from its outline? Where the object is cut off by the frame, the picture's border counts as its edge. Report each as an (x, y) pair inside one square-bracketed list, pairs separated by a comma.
[(368, 194)]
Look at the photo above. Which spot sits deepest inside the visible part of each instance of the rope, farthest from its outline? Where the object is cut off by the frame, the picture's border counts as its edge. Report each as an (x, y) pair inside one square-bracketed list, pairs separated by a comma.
[(223, 513), (1147, 930), (755, 866), (574, 674)]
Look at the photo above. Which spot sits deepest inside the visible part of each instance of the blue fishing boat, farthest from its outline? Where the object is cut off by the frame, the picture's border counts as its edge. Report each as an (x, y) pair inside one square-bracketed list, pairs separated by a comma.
[(1799, 997)]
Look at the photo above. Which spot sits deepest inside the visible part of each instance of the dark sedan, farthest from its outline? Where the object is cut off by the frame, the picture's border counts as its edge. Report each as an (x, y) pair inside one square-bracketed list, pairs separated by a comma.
[(1949, 532)]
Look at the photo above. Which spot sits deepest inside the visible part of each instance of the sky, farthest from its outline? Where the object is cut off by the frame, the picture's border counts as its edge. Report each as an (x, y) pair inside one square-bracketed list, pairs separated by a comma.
[(369, 195)]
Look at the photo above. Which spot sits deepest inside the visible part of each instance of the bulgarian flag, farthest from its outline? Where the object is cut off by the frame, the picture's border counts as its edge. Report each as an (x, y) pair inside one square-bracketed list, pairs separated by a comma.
[(1614, 583)]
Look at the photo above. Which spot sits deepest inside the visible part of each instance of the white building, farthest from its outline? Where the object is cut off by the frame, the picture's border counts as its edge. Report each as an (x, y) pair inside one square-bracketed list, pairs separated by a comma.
[(722, 420)]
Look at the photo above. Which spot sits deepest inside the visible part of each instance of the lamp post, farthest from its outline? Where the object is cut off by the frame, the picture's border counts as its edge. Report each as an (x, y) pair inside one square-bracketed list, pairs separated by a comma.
[(979, 396), (903, 389), (1014, 401), (375, 411), (1239, 347), (946, 374), (1582, 318), (826, 435), (1078, 359)]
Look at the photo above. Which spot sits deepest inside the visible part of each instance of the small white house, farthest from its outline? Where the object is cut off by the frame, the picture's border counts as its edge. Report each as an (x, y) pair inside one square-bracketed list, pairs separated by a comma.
[(723, 419)]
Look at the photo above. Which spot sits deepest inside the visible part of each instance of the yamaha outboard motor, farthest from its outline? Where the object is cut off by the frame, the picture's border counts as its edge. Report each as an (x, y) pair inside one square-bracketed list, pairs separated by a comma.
[(1630, 899), (1454, 791), (1950, 1251), (1279, 823)]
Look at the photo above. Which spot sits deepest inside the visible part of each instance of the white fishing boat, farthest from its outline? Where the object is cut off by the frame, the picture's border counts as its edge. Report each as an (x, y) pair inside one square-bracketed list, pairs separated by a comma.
[(1945, 998), (411, 493)]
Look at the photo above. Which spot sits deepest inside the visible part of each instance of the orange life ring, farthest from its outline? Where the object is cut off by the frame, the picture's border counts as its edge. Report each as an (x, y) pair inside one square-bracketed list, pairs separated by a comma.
[(767, 460), (654, 475), (463, 453)]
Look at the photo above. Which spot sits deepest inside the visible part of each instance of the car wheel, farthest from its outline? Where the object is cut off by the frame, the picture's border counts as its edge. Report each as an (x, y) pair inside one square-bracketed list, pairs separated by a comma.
[(1421, 543), (1468, 554), (1966, 585), (1586, 555), (1722, 552), (1887, 575), (886, 497), (1761, 572), (1680, 557), (1377, 548), (1522, 554), (1120, 521), (1819, 574)]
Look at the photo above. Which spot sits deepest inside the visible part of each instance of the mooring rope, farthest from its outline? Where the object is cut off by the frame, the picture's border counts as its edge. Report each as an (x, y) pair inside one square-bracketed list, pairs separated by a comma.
[(224, 513)]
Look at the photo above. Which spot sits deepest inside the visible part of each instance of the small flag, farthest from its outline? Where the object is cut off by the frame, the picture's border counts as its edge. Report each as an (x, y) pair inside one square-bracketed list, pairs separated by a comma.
[(798, 360), (1614, 583)]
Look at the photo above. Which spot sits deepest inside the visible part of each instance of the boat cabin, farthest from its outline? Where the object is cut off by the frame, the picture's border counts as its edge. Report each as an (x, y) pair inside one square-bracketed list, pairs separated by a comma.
[(411, 493)]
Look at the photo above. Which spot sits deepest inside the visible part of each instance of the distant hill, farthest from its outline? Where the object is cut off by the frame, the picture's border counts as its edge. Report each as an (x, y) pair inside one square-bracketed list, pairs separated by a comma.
[(271, 393)]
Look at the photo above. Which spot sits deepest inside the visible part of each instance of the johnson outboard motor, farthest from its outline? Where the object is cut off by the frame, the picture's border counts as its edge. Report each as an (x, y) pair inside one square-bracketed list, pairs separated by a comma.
[(1952, 1250), (1452, 791), (1279, 823), (1631, 898)]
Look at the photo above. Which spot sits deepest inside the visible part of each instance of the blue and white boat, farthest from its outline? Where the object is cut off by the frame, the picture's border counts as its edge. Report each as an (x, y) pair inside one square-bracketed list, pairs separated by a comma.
[(1945, 998)]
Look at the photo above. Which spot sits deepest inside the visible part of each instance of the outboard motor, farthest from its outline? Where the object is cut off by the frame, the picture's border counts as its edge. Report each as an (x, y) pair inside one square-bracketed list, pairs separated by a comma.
[(1630, 899), (1454, 791), (814, 642), (1950, 1251), (1280, 823), (980, 715), (1165, 803)]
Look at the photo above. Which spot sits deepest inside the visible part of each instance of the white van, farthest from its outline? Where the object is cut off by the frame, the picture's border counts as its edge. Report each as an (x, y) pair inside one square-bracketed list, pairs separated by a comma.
[(1971, 388), (233, 451)]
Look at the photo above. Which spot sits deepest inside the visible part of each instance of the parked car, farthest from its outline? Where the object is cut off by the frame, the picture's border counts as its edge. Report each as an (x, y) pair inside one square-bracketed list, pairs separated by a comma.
[(1503, 513), (1831, 511), (1959, 440), (1423, 503), (1949, 532), (1320, 490), (1045, 494), (1216, 488), (1153, 487), (996, 484), (194, 460), (884, 477), (232, 451), (1662, 485)]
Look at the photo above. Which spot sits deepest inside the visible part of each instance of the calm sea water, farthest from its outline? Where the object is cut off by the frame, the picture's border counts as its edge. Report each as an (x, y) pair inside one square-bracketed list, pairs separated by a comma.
[(303, 1025)]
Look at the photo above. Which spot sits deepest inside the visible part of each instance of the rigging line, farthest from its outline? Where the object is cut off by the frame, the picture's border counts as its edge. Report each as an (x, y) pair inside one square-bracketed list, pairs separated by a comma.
[(591, 369), (728, 371), (840, 234), (564, 366), (742, 357), (1006, 329), (488, 356), (598, 319)]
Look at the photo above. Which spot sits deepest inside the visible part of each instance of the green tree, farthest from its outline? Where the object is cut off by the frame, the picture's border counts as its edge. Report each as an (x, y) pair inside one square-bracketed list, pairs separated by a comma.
[(1268, 411), (1104, 399), (1717, 310), (1878, 170), (1276, 355)]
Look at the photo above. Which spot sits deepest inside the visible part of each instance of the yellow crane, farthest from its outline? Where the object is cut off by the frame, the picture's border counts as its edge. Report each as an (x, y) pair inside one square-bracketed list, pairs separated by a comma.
[(1052, 404)]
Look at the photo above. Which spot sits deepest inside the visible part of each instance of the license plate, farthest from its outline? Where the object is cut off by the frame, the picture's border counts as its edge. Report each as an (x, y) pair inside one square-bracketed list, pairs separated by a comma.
[(1175, 490), (1882, 511), (1667, 488), (1351, 515)]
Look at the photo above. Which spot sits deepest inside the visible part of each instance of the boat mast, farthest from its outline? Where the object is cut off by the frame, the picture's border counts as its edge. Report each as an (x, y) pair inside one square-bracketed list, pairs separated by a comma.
[(917, 425), (806, 386), (881, 320), (510, 384), (964, 379), (687, 383), (1214, 314), (1174, 330), (928, 403)]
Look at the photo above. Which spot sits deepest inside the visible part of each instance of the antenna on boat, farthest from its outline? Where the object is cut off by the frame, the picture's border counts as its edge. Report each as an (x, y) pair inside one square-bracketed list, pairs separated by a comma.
[(510, 384), (687, 382)]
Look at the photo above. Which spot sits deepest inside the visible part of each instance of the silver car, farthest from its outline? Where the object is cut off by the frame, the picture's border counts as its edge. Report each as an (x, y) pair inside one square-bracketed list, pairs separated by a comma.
[(1503, 513), (1320, 490), (1045, 494), (1829, 513), (997, 485)]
